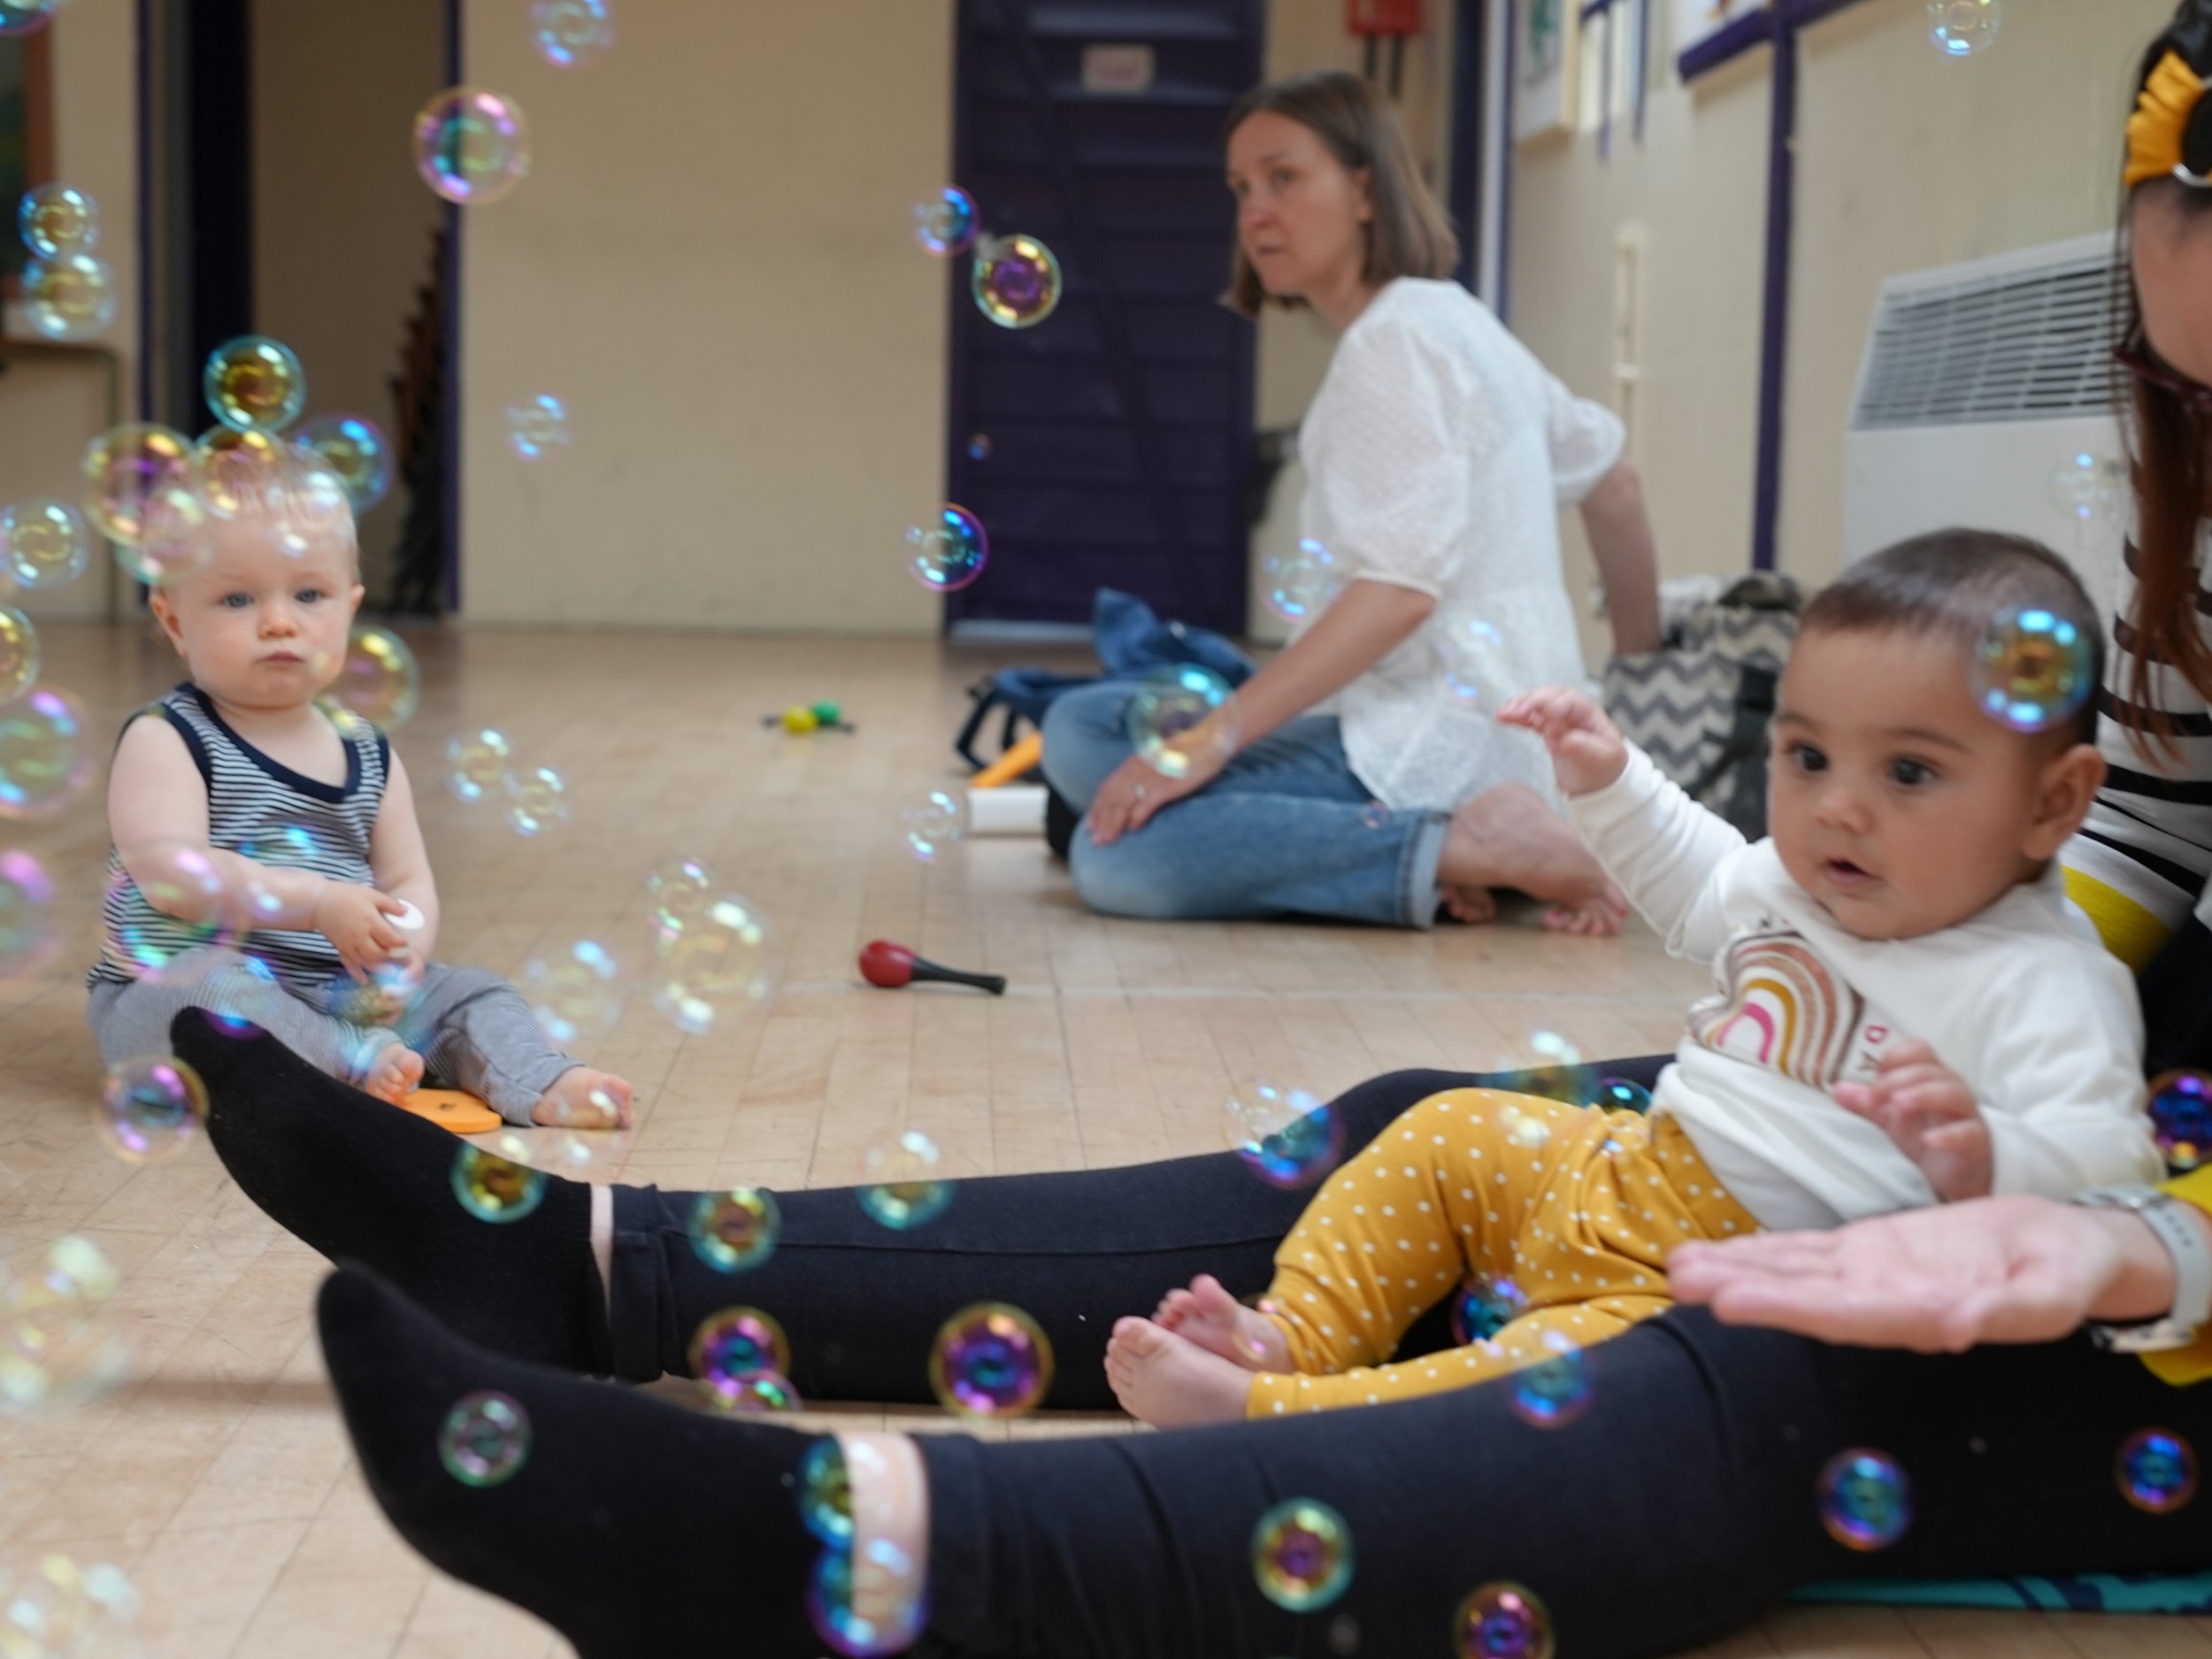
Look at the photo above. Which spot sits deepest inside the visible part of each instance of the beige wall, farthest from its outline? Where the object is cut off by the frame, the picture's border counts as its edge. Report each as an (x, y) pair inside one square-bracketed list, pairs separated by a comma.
[(710, 263), (342, 226)]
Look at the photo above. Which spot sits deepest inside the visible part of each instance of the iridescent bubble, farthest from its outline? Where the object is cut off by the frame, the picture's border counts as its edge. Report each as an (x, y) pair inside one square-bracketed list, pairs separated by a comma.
[(1483, 1306), (1617, 1093), (2032, 669), (1301, 1554), (946, 223), (235, 468), (1375, 816), (1553, 1391), (573, 992), (307, 508), (486, 1439), (379, 679), (152, 1108), (901, 1188), (826, 1493), (356, 449), (70, 296), (717, 964), (757, 1393), (26, 17), (1960, 28), (1502, 1621), (1477, 665), (1865, 1499), (570, 33), (1016, 282), (950, 552), (178, 539), (1182, 717), (254, 384), (990, 1361), (869, 1601), (52, 1607), (734, 1230), (46, 753), (537, 801), (27, 914), (934, 821), (477, 764), (496, 1188), (1285, 1136), (2180, 1106), (178, 879), (471, 145), (1301, 585), (2157, 1471), (735, 1343), (978, 446), (1562, 1076), (44, 544), (55, 1348), (2087, 488), (538, 427), (128, 468), (55, 219), (680, 890), (19, 653)]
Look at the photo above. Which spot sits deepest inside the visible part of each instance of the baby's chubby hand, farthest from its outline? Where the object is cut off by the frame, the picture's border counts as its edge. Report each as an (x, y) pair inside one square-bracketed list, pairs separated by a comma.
[(358, 921), (1588, 749), (1929, 1110)]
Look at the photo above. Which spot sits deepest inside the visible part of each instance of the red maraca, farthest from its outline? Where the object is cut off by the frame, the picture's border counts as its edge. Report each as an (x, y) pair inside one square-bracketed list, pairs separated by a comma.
[(893, 966)]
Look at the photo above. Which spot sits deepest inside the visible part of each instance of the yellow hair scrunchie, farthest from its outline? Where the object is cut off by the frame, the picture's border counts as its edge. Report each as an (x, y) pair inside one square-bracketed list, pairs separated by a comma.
[(2161, 120)]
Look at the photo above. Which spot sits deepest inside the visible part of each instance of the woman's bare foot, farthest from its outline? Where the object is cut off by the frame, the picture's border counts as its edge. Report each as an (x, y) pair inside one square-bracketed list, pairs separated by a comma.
[(581, 1098), (1506, 837), (1209, 1316), (1171, 1382), (1474, 906), (392, 1074)]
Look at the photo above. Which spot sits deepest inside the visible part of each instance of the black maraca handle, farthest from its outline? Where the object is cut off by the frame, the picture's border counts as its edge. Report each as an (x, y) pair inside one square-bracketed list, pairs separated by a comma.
[(994, 983)]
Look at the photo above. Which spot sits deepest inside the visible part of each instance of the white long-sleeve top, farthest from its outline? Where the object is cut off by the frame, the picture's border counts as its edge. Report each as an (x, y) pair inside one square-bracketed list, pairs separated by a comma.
[(2022, 1001)]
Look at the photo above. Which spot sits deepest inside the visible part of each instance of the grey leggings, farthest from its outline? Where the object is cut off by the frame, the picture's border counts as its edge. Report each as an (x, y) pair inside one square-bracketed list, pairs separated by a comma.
[(472, 1029)]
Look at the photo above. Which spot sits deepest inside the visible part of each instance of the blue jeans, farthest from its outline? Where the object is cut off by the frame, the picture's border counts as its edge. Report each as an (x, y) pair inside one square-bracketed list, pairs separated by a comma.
[(1285, 830)]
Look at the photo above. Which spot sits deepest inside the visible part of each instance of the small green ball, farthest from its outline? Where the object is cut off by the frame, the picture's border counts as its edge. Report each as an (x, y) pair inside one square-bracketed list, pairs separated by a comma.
[(828, 713)]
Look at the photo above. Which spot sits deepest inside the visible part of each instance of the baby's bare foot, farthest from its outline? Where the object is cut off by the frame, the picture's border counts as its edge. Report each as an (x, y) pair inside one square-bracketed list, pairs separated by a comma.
[(581, 1098), (393, 1073), (1171, 1383), (1209, 1316)]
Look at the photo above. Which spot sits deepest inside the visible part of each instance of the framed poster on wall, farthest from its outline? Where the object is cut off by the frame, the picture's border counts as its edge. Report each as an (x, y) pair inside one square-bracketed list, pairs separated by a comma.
[(1544, 76), (1699, 25)]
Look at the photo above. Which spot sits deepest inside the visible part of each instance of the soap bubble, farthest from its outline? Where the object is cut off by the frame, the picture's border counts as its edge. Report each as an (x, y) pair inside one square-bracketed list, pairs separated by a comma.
[(44, 543), (1502, 1621), (570, 33), (1182, 717), (734, 1230), (379, 679), (735, 1344), (1865, 1499), (1554, 1391), (235, 468), (680, 890), (978, 446), (70, 296), (934, 821), (1301, 585), (826, 1493), (538, 427), (485, 1438), (1960, 28), (152, 1108), (1478, 667), (1375, 816), (868, 1601), (537, 801), (572, 992), (254, 384), (2180, 1105), (128, 468), (1302, 1555), (471, 146), (757, 1393), (2157, 1471), (946, 223), (903, 1189), (717, 962), (2087, 488), (1483, 1306), (53, 1608), (46, 753), (1016, 282), (950, 552), (476, 764), (1287, 1137), (26, 17), (178, 539), (990, 1361), (356, 449), (1617, 1093), (27, 914), (55, 219), (54, 1346), (493, 1187), (19, 653), (2032, 669), (172, 876)]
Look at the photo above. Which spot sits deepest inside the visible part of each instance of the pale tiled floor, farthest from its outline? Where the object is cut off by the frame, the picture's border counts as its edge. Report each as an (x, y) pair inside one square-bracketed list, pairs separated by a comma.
[(218, 1476)]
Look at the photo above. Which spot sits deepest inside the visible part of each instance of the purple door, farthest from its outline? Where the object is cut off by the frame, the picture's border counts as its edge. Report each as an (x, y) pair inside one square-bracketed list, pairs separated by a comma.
[(1107, 446)]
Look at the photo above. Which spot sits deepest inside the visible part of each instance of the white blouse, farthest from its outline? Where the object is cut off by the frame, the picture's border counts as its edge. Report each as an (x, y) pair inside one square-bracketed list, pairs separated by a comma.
[(1437, 453)]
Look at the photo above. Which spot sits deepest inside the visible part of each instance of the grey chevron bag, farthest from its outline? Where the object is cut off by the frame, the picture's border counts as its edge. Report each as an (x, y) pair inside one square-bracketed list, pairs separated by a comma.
[(1700, 705)]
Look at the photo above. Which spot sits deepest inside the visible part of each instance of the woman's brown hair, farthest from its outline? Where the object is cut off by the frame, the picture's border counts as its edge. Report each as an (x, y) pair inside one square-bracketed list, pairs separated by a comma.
[(2170, 437), (1409, 234)]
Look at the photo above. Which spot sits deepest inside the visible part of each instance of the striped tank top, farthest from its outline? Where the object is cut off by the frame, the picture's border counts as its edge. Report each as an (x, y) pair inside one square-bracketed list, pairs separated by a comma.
[(261, 808)]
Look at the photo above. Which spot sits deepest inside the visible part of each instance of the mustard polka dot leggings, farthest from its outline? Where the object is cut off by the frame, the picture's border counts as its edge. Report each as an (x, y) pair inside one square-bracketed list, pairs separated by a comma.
[(1577, 1206)]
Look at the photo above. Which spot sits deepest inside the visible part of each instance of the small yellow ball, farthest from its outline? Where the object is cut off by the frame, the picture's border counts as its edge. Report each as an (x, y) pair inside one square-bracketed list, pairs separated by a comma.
[(798, 718)]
